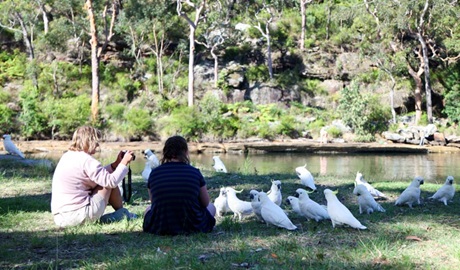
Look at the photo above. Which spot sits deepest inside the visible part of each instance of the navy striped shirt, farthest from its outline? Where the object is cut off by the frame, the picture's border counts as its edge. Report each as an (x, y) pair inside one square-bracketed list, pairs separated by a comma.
[(176, 209)]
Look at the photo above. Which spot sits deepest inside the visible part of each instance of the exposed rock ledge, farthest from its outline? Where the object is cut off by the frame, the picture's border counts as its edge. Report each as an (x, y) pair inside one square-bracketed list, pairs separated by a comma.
[(300, 145)]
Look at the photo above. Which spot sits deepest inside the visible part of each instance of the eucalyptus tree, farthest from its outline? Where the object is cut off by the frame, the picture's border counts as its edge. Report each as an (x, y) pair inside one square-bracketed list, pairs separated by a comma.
[(149, 27), (21, 18), (303, 4), (421, 32), (196, 10), (217, 31), (108, 23)]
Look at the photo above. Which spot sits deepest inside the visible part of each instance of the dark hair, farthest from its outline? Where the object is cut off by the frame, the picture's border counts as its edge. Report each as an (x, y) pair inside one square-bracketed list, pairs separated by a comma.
[(175, 148)]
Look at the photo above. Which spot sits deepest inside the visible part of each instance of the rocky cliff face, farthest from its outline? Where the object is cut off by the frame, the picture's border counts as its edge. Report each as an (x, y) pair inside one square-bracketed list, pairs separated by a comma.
[(333, 70)]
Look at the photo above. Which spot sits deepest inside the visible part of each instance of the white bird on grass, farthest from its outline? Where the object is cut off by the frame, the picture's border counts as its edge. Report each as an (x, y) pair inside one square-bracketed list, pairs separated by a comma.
[(311, 209), (275, 192), (10, 147), (273, 214), (359, 180), (366, 201), (219, 165), (294, 202), (446, 192), (255, 203), (221, 203), (239, 208), (151, 163), (339, 213), (411, 194), (306, 178)]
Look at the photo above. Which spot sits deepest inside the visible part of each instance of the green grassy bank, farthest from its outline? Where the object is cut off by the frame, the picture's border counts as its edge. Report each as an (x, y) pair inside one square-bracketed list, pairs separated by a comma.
[(426, 237)]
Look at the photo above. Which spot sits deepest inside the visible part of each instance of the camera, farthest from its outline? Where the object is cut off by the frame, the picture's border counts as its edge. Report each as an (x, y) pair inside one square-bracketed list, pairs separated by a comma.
[(134, 156)]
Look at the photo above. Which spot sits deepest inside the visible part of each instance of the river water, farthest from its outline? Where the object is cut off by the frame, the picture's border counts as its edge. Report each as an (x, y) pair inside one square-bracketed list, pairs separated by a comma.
[(434, 167)]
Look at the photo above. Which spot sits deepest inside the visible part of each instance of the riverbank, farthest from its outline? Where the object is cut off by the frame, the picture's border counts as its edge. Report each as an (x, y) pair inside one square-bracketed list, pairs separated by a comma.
[(298, 145)]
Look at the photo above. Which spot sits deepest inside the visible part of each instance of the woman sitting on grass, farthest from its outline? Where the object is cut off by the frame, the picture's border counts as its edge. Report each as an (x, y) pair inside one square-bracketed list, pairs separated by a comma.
[(82, 187), (179, 198)]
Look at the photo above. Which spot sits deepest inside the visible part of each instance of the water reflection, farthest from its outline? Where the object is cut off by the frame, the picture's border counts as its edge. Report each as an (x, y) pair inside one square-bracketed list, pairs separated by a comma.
[(375, 167)]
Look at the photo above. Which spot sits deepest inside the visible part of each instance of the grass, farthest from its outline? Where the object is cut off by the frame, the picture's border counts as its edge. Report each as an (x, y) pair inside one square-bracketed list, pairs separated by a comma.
[(426, 237)]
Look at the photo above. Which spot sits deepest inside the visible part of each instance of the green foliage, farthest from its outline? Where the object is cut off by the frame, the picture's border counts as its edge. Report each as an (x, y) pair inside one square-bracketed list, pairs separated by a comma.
[(138, 122), (6, 118), (451, 78), (287, 126), (115, 111), (257, 73), (334, 132), (185, 121), (66, 114), (31, 117), (12, 66), (352, 108), (238, 53), (211, 114)]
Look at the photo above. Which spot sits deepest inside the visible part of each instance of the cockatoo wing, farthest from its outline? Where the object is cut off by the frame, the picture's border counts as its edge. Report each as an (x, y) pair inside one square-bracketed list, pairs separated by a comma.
[(308, 181), (317, 211), (274, 215), (409, 196)]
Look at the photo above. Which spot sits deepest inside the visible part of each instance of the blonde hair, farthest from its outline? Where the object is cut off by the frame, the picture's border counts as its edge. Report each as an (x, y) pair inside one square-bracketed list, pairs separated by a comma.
[(85, 138)]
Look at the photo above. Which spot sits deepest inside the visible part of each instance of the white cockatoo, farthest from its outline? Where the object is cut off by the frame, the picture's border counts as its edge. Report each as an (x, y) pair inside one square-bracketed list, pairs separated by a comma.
[(411, 194), (151, 163), (311, 209), (10, 147), (366, 201), (255, 203), (273, 214), (218, 164), (221, 203), (446, 192), (294, 202), (275, 192), (306, 178), (339, 213), (359, 180), (239, 208)]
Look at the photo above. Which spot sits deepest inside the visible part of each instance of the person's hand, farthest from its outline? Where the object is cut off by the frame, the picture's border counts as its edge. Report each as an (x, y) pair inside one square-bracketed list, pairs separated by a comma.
[(127, 157), (124, 157)]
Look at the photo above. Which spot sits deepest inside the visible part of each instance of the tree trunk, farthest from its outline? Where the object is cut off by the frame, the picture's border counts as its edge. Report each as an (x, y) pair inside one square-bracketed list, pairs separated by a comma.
[(418, 94), (94, 63), (216, 66), (191, 63), (302, 33), (426, 69), (46, 21), (269, 52), (30, 49)]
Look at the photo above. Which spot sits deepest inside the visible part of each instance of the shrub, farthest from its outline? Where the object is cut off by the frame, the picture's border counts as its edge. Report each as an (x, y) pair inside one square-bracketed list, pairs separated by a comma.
[(185, 121), (31, 116), (257, 73), (334, 132), (138, 122), (66, 114)]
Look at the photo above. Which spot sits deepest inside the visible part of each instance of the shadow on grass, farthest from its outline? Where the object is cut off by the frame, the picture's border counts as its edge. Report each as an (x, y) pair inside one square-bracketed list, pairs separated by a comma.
[(26, 203), (232, 244)]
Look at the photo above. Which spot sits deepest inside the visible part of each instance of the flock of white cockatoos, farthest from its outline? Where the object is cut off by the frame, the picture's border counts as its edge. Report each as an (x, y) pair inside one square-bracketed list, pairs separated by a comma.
[(266, 207)]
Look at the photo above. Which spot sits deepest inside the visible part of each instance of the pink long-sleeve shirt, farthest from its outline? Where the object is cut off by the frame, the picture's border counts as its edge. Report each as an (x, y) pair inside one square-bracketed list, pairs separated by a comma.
[(76, 174)]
